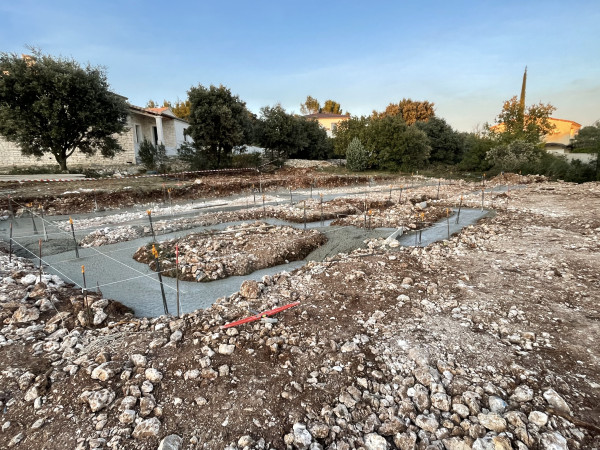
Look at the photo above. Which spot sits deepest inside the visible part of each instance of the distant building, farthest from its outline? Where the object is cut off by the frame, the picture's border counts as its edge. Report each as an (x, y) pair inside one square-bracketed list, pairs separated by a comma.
[(157, 125), (328, 121), (563, 134)]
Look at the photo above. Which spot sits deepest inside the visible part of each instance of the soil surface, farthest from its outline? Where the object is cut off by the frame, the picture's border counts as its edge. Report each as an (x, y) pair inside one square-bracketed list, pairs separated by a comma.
[(237, 250), (486, 340)]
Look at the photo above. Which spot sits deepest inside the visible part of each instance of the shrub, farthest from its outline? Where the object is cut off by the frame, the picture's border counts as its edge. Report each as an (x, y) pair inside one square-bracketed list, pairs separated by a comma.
[(357, 156), (514, 155), (153, 157)]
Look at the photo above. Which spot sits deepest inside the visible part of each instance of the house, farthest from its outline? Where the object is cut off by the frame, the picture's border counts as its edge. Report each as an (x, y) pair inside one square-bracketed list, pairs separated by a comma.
[(563, 134), (157, 125), (328, 121)]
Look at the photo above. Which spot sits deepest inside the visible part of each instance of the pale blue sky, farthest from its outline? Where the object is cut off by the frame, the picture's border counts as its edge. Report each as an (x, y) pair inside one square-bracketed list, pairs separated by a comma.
[(465, 56)]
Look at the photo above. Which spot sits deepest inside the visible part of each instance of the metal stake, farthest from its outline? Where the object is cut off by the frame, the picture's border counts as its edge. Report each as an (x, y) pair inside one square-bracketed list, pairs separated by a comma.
[(291, 199), (162, 288), (151, 226), (85, 299), (459, 206), (400, 197), (321, 202), (40, 258), (35, 231), (177, 278), (448, 221), (264, 209), (482, 196), (438, 190), (43, 223), (304, 212), (10, 240), (74, 239), (95, 201)]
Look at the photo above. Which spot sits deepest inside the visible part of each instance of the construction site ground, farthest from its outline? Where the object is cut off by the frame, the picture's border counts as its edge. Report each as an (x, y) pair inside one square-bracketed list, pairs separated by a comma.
[(484, 340)]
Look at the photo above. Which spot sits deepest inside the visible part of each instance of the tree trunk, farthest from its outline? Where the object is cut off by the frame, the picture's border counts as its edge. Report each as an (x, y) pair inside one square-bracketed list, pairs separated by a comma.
[(61, 159)]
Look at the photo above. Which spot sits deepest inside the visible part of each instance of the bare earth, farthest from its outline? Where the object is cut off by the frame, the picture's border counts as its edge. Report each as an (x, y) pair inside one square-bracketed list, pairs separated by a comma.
[(485, 341)]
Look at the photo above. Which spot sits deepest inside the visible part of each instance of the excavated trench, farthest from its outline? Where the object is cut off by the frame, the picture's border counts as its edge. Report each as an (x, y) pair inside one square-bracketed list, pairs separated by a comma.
[(112, 269)]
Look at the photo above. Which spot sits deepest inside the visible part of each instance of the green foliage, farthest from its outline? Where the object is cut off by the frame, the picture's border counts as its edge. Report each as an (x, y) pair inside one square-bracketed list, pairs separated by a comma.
[(447, 145), (474, 157), (243, 160), (517, 124), (357, 156), (514, 155), (410, 111), (588, 138), (284, 135), (331, 107), (310, 106), (219, 123), (53, 105), (347, 130), (195, 158), (153, 157)]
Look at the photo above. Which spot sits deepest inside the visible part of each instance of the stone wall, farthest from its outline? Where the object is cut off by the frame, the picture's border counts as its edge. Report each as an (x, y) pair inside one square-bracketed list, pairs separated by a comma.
[(10, 155)]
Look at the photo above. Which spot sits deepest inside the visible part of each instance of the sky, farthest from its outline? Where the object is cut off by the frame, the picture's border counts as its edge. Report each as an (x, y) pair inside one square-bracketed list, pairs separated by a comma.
[(466, 57)]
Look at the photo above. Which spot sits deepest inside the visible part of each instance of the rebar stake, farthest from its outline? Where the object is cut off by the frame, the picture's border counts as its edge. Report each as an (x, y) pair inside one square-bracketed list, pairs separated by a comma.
[(482, 197), (254, 194), (10, 240), (448, 221), (43, 223), (459, 207), (264, 208), (177, 278), (162, 288), (291, 199), (35, 231), (390, 193), (95, 202), (438, 190), (321, 202), (170, 201), (311, 186), (151, 226), (88, 311), (304, 212), (400, 197), (74, 239), (10, 208), (40, 258)]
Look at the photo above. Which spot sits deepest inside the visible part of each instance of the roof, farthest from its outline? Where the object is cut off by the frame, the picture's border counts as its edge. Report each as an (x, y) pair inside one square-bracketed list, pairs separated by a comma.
[(326, 116), (565, 120), (162, 112), (157, 110)]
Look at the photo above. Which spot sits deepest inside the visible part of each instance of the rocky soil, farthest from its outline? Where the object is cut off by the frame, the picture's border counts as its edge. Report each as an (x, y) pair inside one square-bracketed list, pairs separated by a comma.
[(484, 341), (237, 250)]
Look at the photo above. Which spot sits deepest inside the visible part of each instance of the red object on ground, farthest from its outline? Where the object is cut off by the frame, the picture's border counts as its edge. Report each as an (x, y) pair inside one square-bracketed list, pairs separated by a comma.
[(259, 315)]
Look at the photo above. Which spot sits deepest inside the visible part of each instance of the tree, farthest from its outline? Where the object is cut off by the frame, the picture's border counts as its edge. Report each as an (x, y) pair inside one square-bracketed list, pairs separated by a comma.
[(588, 139), (524, 124), (280, 133), (182, 109), (347, 130), (411, 111), (317, 144), (331, 107), (310, 106), (476, 147), (53, 105), (357, 156), (447, 146), (219, 122)]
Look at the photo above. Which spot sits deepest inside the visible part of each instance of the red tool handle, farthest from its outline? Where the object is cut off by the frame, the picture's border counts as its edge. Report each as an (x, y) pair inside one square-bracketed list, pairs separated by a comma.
[(260, 315)]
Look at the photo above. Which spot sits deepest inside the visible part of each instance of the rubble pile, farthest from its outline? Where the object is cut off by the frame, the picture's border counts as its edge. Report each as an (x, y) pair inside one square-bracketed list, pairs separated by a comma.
[(237, 250)]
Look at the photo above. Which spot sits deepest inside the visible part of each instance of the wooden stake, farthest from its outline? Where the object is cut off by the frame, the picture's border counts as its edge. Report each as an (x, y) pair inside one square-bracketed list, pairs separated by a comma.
[(74, 239)]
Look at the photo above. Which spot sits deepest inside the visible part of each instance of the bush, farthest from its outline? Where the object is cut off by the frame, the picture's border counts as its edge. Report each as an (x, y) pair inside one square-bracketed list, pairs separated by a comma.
[(153, 157), (244, 160), (195, 159), (513, 156), (357, 156)]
